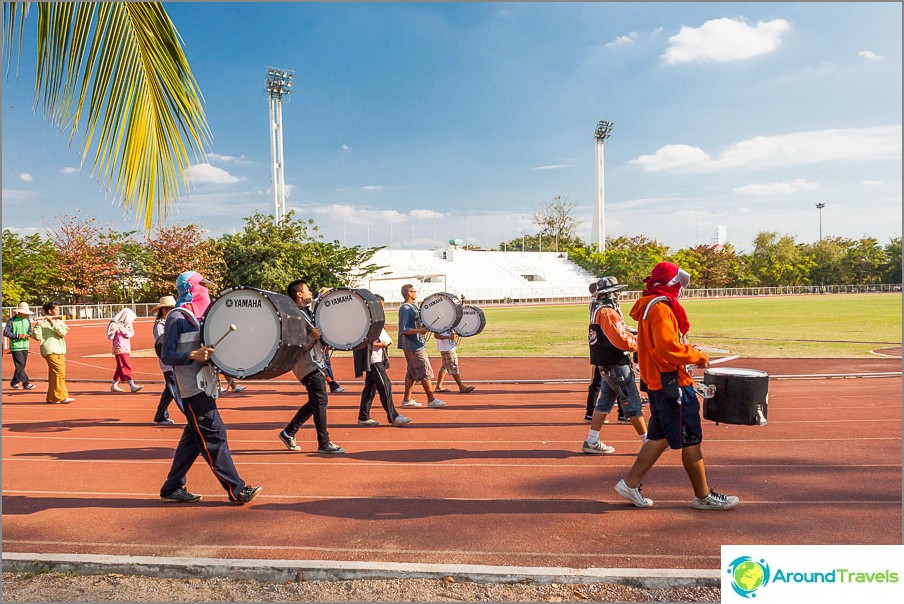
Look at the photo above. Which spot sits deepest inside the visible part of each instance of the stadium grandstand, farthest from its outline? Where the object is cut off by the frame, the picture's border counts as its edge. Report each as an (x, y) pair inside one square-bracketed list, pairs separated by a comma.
[(481, 276)]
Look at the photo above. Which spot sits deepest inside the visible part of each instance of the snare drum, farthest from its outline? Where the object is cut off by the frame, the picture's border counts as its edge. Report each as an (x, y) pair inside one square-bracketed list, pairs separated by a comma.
[(440, 312), (472, 321), (736, 396), (269, 335), (349, 319)]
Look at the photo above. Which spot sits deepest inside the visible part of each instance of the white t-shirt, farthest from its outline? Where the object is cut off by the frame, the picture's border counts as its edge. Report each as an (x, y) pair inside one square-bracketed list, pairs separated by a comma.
[(377, 355), (445, 345)]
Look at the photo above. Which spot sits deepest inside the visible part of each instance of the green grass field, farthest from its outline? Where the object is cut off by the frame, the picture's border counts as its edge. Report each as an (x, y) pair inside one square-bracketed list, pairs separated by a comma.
[(844, 325)]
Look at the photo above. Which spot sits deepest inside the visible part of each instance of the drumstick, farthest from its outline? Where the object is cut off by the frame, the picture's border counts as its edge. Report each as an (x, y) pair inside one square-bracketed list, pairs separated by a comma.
[(232, 328), (724, 359)]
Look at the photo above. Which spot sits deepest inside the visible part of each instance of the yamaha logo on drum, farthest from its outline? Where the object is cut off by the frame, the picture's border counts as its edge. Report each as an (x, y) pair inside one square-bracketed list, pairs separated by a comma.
[(339, 300), (243, 303), (434, 303)]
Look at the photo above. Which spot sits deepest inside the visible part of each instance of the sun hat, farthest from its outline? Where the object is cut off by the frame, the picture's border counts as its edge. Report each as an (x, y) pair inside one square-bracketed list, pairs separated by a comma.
[(23, 309), (607, 285), (165, 302)]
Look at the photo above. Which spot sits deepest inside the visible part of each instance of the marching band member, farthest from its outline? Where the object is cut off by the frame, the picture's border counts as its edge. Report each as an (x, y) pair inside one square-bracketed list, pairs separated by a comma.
[(411, 340)]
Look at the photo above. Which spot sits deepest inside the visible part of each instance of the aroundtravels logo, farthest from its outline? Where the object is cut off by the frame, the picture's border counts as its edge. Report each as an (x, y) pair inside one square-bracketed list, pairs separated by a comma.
[(748, 575)]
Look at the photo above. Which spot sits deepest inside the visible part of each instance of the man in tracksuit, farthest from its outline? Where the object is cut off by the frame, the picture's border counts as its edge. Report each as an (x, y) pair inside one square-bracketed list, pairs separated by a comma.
[(19, 329), (205, 432)]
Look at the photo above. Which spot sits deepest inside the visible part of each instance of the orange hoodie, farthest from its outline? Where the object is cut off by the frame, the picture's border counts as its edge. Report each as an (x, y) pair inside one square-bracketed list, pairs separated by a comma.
[(659, 349)]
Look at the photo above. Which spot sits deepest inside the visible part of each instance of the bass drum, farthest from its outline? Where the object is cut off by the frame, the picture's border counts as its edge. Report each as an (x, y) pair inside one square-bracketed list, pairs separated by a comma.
[(440, 312), (349, 319), (268, 338), (472, 321), (736, 396)]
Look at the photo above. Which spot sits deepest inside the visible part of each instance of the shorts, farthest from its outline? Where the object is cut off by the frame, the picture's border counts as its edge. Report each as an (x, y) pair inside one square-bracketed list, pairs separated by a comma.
[(419, 368), (450, 361), (676, 420), (618, 385)]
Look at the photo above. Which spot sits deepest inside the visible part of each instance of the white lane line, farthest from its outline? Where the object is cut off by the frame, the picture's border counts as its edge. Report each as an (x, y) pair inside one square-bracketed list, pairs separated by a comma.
[(437, 464), (618, 501), (376, 550)]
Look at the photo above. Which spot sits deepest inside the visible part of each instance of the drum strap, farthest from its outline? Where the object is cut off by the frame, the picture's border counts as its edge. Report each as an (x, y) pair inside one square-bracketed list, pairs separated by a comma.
[(646, 311)]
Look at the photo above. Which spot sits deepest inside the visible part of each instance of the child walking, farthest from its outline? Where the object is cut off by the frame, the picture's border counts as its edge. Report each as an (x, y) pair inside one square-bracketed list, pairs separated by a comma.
[(120, 331)]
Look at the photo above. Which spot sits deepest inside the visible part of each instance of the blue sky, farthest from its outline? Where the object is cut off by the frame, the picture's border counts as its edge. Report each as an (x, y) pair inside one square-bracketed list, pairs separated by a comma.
[(415, 123)]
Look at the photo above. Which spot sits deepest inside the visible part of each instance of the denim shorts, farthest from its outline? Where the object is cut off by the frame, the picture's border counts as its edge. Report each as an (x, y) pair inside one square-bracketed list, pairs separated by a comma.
[(678, 423), (618, 385)]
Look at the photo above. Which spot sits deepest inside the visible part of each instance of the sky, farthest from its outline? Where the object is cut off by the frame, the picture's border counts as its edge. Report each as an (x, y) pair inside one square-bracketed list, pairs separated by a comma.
[(414, 123)]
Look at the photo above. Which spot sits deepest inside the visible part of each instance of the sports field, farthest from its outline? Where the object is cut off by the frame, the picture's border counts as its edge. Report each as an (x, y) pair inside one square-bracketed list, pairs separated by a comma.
[(827, 326)]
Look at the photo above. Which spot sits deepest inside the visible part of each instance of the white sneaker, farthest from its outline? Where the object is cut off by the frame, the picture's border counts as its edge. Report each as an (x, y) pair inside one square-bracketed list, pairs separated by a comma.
[(597, 448), (411, 403), (632, 494), (715, 501), (114, 387), (136, 387), (401, 420), (435, 404)]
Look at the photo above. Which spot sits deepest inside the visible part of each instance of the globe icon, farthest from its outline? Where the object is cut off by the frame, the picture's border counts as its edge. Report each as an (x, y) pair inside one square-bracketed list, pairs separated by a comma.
[(748, 575)]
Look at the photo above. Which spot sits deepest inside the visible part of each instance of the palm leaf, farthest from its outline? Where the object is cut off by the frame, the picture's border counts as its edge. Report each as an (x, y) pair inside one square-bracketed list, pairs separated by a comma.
[(117, 72)]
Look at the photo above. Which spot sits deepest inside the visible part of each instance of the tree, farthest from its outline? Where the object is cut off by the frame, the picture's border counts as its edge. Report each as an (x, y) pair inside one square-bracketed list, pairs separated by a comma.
[(118, 69), (778, 260), (269, 255), (87, 256), (31, 269), (891, 270), (557, 225), (179, 248), (828, 261), (710, 266), (864, 261), (629, 259)]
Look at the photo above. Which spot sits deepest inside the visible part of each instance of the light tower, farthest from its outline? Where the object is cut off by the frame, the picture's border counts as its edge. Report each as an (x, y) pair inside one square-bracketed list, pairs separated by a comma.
[(598, 230), (820, 206), (279, 84)]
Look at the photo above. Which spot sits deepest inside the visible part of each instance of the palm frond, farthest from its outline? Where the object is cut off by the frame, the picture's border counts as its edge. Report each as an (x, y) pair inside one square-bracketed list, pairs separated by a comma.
[(117, 72)]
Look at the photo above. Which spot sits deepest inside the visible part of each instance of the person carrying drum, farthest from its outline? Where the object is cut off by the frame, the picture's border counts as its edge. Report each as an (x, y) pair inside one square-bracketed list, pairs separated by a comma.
[(663, 352), (197, 386), (309, 371), (373, 361), (596, 380), (611, 345), (411, 340)]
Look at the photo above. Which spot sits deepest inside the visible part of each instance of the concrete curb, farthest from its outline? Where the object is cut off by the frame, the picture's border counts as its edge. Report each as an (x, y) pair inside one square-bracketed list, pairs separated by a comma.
[(280, 571)]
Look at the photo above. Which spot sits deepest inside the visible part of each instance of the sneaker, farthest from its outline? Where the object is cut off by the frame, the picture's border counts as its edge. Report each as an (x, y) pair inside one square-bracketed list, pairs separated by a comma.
[(411, 403), (435, 404), (588, 418), (401, 420), (715, 501), (624, 420), (597, 448), (165, 422), (114, 387), (66, 401), (331, 448), (135, 387), (16, 386), (289, 441), (239, 388), (180, 496), (368, 422), (247, 494), (337, 390), (632, 494), (29, 386)]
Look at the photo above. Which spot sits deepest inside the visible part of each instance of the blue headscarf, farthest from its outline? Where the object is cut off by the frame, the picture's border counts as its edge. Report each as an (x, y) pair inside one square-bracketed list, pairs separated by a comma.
[(183, 287)]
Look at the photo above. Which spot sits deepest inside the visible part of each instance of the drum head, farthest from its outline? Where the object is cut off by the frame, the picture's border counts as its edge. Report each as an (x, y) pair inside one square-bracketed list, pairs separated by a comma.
[(735, 371), (347, 317), (472, 321), (254, 343), (440, 312)]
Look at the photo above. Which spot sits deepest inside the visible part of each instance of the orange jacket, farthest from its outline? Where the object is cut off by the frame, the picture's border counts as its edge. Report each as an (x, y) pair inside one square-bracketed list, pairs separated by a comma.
[(659, 349), (615, 329)]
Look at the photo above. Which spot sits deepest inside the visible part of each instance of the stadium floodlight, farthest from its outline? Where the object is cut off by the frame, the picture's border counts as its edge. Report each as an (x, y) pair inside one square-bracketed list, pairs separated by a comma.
[(820, 206), (279, 85), (598, 228)]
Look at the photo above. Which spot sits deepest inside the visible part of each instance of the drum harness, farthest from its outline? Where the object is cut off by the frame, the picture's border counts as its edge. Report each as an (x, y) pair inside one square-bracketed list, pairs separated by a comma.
[(317, 356)]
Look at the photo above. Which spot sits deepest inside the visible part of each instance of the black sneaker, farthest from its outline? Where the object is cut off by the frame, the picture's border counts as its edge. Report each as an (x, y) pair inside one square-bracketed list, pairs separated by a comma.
[(180, 496), (29, 386), (331, 448), (247, 494), (588, 417), (624, 420), (289, 441), (16, 386)]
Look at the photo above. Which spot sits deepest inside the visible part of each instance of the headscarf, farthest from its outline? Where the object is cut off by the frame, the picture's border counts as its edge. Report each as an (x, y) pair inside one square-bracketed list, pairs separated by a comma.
[(124, 317), (190, 286), (666, 279)]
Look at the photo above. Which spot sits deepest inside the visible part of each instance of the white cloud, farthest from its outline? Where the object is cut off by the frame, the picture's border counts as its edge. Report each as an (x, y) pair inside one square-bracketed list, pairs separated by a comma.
[(869, 55), (206, 173), (784, 150), (345, 148), (227, 158), (69, 170), (372, 188), (552, 167), (12, 195), (723, 40), (26, 177), (623, 40), (425, 214), (871, 183), (777, 188)]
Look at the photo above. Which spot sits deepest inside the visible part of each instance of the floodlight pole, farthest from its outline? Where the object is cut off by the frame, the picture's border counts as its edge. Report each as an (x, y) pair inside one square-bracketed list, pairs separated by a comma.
[(279, 84), (598, 229), (820, 206)]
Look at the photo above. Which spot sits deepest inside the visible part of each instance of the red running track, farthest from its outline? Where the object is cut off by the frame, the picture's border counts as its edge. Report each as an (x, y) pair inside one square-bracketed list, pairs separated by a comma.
[(496, 477)]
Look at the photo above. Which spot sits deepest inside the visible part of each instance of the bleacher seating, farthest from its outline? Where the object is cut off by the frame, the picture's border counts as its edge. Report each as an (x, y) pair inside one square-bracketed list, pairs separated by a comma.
[(479, 276)]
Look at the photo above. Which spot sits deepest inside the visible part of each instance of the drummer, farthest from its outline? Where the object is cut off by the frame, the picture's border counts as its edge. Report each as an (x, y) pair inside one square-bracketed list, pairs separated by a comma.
[(411, 340), (662, 327)]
